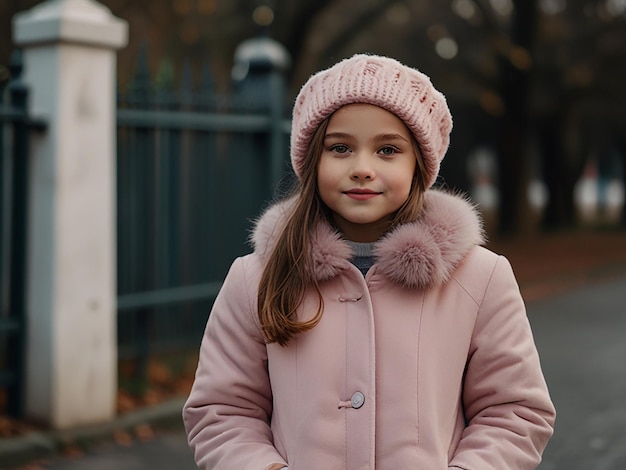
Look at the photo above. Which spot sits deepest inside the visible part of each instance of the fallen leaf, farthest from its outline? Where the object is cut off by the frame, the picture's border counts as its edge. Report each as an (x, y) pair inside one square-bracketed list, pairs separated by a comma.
[(122, 437), (144, 432)]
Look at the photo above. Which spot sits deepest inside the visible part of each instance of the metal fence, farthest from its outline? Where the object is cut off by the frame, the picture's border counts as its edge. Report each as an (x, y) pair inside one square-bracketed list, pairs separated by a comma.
[(15, 128), (193, 169)]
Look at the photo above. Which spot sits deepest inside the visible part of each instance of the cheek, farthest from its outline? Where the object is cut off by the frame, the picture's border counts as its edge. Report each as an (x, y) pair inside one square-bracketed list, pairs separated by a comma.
[(408, 176), (325, 182), (327, 174), (402, 189), (401, 182)]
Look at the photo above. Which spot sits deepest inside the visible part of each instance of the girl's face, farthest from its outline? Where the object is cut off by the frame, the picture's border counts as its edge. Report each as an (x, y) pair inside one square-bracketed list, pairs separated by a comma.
[(365, 170)]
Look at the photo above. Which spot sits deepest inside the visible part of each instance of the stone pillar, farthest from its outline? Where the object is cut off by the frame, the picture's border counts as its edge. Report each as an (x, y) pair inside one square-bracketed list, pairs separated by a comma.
[(260, 65), (71, 353)]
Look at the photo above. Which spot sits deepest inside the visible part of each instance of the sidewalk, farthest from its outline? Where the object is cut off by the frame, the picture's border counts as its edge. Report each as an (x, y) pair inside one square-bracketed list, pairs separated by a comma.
[(545, 267), (580, 338), (27, 451)]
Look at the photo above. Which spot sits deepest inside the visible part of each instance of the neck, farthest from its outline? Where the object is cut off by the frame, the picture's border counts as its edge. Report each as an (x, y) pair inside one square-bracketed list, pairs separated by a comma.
[(362, 255), (362, 248), (362, 233)]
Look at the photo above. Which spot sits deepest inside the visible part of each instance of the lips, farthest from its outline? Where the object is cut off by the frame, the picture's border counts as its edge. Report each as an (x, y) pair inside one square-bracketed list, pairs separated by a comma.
[(361, 194)]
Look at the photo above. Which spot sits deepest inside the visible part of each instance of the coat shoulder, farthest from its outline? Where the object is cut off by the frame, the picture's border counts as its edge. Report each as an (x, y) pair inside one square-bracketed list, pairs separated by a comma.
[(476, 270)]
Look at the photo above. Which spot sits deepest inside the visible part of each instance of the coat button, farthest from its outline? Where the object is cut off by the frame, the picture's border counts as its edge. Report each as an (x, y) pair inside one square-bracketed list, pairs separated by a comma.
[(357, 400)]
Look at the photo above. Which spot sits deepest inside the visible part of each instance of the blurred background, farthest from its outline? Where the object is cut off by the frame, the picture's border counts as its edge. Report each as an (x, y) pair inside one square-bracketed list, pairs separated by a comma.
[(535, 87), (204, 95)]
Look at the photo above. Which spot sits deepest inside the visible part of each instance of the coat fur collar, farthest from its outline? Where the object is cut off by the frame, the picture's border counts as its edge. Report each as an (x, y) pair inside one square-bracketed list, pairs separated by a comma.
[(419, 254)]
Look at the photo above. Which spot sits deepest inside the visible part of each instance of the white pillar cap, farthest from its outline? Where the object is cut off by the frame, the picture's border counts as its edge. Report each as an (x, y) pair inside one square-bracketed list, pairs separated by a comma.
[(84, 22)]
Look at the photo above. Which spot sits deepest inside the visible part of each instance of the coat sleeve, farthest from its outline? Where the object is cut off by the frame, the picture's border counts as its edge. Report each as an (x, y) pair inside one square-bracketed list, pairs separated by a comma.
[(507, 405), (228, 411)]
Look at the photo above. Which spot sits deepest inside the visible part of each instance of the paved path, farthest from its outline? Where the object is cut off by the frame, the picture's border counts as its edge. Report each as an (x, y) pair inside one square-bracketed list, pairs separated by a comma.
[(165, 452), (581, 337)]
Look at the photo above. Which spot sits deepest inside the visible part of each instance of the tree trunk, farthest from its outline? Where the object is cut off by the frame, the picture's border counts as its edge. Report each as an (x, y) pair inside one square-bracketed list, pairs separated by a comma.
[(513, 137), (559, 178)]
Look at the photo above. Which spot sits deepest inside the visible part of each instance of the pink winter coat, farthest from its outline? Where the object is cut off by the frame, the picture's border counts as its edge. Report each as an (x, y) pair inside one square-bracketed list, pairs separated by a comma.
[(427, 363)]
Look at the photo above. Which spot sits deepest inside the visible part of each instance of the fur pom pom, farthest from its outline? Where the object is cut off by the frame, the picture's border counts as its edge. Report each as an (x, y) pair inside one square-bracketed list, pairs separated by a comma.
[(410, 260), (268, 226), (428, 250), (331, 253)]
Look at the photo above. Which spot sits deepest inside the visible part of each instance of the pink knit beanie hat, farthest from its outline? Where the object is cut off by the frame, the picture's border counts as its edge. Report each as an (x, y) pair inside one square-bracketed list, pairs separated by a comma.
[(383, 82)]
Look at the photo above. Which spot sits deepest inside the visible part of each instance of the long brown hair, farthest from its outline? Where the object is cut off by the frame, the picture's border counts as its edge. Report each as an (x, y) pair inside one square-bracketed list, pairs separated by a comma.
[(288, 273)]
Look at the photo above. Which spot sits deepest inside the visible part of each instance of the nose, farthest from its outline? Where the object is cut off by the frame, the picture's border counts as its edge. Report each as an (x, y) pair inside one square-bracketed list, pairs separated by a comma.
[(362, 169)]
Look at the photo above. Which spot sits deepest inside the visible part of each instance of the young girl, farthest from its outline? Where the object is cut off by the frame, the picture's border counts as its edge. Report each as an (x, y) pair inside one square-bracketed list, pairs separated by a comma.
[(369, 329)]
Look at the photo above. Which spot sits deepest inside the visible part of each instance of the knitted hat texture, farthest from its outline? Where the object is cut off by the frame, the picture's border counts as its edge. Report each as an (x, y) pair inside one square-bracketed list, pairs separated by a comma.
[(380, 81)]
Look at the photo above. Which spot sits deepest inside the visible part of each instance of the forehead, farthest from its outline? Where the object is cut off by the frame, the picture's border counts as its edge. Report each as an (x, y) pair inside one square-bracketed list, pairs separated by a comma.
[(364, 117)]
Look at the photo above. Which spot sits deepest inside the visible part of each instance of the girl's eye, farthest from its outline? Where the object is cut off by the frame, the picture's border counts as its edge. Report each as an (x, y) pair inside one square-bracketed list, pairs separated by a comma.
[(388, 151), (339, 148)]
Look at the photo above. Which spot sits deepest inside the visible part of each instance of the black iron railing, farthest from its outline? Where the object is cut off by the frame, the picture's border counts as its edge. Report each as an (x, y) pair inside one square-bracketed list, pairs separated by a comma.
[(193, 169), (15, 129)]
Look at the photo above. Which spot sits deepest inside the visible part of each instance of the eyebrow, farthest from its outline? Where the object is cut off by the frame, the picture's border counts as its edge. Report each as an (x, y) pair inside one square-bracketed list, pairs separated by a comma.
[(379, 137)]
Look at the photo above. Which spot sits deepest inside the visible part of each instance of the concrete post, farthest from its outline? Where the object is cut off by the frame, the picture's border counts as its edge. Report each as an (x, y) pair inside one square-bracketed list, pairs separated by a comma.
[(260, 67), (70, 65)]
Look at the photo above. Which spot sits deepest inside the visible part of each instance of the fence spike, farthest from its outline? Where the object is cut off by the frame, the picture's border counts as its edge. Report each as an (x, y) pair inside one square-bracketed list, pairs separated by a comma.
[(164, 84), (16, 64), (207, 86), (186, 83), (17, 89), (164, 80), (139, 88), (5, 76)]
